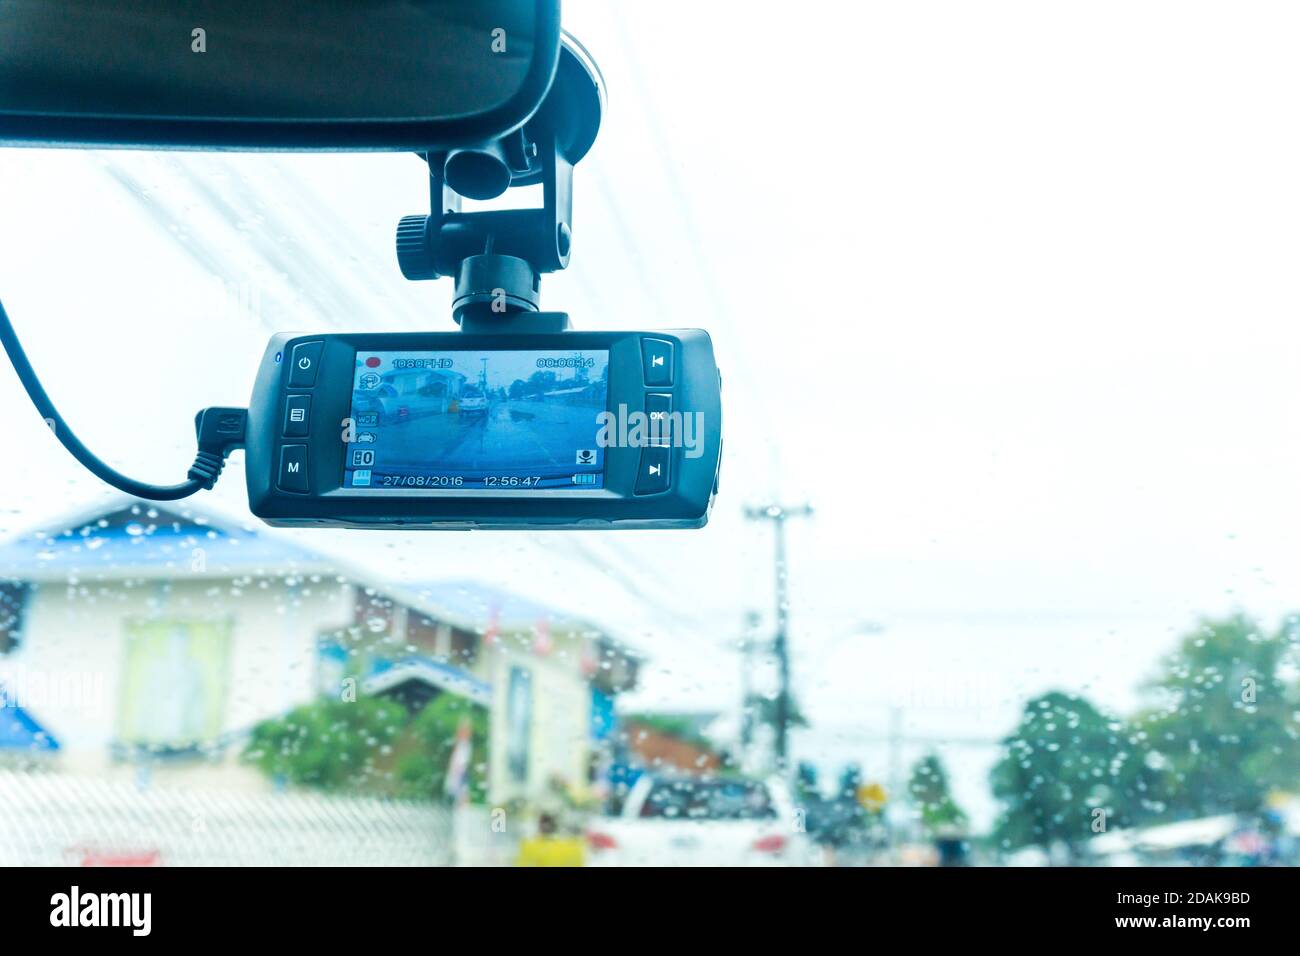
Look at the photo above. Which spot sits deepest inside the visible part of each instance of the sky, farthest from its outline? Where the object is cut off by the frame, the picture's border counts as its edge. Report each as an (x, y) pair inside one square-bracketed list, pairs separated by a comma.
[(1007, 292)]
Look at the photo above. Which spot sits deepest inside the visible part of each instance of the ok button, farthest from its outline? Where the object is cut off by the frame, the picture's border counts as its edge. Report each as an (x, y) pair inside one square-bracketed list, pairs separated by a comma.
[(302, 364)]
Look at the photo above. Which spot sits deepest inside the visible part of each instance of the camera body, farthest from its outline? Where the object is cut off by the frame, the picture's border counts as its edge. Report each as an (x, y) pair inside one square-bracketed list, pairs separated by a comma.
[(515, 421), (456, 430)]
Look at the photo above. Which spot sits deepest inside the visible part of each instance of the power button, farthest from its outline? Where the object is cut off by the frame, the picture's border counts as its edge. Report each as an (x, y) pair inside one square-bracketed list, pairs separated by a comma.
[(302, 364)]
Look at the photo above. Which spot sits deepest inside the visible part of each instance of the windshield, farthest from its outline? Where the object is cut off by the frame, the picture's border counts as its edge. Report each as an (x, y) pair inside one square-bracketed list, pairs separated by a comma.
[(1004, 543), (707, 800)]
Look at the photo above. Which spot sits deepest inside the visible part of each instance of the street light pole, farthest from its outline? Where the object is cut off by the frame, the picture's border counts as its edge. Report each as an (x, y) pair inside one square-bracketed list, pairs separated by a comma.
[(779, 515), (746, 690)]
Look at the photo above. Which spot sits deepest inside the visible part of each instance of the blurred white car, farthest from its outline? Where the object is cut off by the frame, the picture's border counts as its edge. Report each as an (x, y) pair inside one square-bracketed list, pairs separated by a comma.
[(701, 821), (473, 403)]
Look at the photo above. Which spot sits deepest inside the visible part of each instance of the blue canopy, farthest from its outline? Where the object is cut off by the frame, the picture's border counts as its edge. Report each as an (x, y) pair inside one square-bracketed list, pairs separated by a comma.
[(20, 731)]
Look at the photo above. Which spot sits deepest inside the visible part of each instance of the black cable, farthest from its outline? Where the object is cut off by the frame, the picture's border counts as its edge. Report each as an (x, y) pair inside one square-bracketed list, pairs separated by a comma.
[(203, 474)]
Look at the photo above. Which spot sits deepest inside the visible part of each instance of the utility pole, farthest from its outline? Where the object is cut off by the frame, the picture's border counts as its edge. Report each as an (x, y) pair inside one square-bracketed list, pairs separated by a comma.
[(779, 515), (896, 786), (746, 686)]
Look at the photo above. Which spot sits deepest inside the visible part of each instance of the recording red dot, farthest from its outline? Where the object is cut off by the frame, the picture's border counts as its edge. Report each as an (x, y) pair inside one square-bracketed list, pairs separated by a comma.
[(372, 362)]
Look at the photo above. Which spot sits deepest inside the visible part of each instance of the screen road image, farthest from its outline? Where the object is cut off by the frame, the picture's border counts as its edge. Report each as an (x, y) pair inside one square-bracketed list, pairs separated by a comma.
[(461, 419)]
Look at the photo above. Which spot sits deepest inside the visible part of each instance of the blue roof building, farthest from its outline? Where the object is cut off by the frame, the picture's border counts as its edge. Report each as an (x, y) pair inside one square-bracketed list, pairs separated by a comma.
[(161, 634)]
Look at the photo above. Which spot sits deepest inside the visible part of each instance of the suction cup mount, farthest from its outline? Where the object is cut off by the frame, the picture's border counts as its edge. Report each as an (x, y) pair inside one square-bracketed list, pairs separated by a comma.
[(498, 256)]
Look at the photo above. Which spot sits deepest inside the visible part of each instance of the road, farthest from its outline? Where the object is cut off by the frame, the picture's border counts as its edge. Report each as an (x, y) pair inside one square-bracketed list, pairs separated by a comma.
[(512, 435)]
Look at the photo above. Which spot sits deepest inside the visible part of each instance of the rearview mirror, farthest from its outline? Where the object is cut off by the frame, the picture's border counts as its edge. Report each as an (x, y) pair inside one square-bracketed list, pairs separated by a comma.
[(294, 74)]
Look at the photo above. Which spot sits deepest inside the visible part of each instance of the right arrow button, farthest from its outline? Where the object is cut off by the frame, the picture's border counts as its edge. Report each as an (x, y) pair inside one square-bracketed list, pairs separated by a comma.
[(654, 476)]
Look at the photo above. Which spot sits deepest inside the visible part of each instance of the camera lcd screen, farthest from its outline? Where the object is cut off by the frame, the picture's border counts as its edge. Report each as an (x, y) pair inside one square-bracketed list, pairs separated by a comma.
[(466, 420)]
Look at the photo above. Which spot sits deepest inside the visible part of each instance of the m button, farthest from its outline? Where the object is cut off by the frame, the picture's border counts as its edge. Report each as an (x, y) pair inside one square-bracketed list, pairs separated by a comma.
[(653, 476), (293, 469)]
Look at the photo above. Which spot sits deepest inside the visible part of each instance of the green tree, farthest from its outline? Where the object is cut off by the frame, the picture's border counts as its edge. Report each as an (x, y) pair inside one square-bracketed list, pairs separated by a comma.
[(1224, 719), (929, 790), (806, 783), (539, 383), (372, 745), (329, 744), (422, 768), (1068, 772), (850, 782)]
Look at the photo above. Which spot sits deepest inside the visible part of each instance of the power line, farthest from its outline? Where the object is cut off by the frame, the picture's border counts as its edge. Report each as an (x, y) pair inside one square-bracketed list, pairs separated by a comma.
[(757, 397)]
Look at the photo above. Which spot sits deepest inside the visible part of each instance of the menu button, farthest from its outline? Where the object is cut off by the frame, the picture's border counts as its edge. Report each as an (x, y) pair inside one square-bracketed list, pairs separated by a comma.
[(297, 416)]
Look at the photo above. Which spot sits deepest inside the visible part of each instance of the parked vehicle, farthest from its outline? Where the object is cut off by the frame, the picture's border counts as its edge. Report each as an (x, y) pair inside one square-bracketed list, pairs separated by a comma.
[(701, 821), (472, 402)]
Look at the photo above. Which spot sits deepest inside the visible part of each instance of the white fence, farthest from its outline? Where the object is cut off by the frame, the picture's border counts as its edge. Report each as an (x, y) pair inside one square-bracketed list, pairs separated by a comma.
[(59, 819)]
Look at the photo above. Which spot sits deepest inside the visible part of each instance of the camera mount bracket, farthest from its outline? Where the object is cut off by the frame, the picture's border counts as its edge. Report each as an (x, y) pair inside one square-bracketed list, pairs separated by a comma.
[(497, 256)]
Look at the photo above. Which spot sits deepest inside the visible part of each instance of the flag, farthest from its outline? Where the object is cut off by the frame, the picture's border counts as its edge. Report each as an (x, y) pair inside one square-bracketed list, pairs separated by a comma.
[(542, 643), (458, 766), (493, 627)]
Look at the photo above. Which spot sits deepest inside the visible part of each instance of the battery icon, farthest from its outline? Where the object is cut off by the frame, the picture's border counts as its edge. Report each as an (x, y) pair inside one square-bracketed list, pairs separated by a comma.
[(587, 479)]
